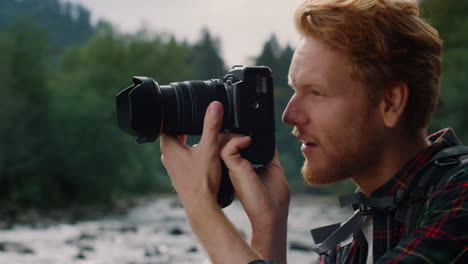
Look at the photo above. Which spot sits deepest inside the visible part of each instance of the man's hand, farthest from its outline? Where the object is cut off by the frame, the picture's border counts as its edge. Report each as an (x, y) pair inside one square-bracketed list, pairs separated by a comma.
[(265, 197), (195, 171), (196, 174)]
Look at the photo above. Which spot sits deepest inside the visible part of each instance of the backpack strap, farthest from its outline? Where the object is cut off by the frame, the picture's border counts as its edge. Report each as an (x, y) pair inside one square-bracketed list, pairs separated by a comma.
[(328, 237), (443, 165), (407, 202)]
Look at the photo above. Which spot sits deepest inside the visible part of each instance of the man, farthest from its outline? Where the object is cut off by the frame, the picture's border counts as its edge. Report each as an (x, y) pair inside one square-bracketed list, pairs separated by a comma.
[(366, 77)]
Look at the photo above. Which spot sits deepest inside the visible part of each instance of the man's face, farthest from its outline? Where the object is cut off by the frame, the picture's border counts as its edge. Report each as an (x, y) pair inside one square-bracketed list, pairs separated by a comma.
[(332, 115)]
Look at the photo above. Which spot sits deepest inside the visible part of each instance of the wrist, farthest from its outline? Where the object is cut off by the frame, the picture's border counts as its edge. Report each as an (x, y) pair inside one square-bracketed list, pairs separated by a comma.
[(267, 222), (198, 198), (221, 240), (270, 240), (200, 206)]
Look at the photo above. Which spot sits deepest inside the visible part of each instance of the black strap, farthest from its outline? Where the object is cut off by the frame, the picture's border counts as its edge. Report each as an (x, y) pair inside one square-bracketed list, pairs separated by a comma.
[(407, 202), (342, 233), (322, 233), (413, 193), (362, 243), (431, 180), (445, 153), (360, 198)]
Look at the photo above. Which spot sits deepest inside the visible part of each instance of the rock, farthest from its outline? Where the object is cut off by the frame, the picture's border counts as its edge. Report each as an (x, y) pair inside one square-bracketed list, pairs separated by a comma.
[(84, 248), (87, 236), (192, 250), (80, 255), (6, 225), (152, 252), (294, 245), (128, 228), (176, 231), (122, 206), (173, 219), (155, 251), (124, 228), (15, 247), (175, 203)]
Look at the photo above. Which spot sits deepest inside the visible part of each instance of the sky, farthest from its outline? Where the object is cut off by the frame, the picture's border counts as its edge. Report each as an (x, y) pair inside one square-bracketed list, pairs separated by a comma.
[(243, 26)]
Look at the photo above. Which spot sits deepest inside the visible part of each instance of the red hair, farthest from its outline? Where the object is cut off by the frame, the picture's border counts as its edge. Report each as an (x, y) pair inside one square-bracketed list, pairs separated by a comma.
[(387, 42)]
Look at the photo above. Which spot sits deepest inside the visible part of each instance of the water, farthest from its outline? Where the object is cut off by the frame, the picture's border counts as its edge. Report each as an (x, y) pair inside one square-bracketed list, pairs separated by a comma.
[(154, 232)]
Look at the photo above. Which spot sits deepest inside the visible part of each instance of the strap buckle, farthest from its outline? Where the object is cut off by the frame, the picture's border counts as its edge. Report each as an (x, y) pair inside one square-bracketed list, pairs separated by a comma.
[(366, 210)]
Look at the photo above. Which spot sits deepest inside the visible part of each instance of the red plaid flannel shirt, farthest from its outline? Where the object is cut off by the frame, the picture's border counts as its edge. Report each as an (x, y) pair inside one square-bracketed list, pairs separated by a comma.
[(442, 231)]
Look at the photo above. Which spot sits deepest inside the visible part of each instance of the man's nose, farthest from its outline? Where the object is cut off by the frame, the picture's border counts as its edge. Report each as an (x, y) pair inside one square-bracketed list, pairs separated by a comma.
[(294, 115)]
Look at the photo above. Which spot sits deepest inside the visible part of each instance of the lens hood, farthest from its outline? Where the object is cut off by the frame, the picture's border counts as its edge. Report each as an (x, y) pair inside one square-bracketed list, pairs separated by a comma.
[(143, 119)]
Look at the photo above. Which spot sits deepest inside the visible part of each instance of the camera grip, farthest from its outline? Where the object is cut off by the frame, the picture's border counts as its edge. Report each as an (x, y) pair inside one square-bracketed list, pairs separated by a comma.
[(261, 150), (226, 190)]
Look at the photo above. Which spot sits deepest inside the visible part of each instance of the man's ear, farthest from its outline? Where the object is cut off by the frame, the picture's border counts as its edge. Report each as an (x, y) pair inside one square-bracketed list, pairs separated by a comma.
[(393, 103)]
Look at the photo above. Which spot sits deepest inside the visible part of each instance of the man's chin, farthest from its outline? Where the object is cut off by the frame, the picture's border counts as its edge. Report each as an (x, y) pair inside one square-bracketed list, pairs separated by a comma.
[(321, 176)]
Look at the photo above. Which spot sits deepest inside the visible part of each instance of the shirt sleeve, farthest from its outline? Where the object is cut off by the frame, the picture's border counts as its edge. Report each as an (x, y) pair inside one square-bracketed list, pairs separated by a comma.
[(442, 233)]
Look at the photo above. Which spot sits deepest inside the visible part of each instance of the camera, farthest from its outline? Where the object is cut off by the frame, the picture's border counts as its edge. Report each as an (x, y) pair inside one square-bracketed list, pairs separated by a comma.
[(147, 109)]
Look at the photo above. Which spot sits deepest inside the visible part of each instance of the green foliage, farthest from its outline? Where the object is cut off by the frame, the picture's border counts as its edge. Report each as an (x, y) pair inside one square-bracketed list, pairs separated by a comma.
[(104, 159), (24, 149), (450, 18), (64, 23), (204, 59), (63, 144)]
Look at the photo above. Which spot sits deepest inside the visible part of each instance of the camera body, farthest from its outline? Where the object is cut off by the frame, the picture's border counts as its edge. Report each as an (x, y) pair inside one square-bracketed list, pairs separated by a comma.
[(251, 112), (147, 109)]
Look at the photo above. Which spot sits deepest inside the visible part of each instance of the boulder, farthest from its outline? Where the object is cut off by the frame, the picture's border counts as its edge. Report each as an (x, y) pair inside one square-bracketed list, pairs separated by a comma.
[(15, 247)]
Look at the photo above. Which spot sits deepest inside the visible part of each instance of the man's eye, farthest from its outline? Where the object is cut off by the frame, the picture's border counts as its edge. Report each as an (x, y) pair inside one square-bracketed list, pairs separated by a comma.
[(316, 93)]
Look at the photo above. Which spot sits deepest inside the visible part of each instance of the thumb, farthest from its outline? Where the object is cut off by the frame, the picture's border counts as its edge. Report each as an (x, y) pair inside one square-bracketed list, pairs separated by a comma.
[(212, 124)]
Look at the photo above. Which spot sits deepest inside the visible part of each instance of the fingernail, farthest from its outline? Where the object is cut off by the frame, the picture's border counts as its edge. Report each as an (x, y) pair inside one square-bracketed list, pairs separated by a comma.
[(215, 108)]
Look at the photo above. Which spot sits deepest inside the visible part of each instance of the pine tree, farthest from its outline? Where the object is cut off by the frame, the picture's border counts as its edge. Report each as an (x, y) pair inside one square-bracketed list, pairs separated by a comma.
[(205, 58)]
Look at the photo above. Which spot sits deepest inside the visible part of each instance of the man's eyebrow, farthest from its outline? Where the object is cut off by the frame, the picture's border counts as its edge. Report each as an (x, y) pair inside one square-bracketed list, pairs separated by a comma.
[(295, 85)]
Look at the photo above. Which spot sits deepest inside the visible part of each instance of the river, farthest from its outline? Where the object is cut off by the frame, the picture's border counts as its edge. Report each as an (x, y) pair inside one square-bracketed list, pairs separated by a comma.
[(153, 232)]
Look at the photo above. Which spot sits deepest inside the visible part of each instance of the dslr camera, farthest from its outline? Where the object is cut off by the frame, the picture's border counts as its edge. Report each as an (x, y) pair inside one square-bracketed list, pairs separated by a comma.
[(147, 109)]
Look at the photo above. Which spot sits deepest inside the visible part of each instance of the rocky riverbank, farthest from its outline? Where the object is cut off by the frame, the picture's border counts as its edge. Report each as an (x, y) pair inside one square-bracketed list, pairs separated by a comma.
[(13, 214), (152, 231)]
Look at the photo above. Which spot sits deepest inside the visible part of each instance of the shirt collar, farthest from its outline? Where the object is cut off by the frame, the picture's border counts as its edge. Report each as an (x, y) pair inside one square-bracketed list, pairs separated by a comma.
[(439, 140)]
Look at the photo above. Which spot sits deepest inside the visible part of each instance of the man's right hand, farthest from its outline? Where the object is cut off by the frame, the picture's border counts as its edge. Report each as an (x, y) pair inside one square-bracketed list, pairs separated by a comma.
[(265, 197)]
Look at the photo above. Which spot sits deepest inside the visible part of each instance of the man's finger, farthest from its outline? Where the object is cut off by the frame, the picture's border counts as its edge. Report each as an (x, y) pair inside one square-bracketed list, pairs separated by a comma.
[(230, 153), (242, 174), (212, 124), (169, 143), (183, 138)]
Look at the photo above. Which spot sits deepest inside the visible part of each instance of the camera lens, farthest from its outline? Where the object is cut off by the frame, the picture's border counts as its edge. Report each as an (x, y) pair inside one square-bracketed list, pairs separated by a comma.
[(146, 109)]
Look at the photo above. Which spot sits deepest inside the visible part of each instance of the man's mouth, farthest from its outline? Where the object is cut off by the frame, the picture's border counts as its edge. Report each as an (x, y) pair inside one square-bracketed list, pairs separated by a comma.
[(308, 146), (306, 142)]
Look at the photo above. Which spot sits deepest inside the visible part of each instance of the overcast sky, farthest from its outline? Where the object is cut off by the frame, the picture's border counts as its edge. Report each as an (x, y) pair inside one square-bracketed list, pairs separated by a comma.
[(242, 25)]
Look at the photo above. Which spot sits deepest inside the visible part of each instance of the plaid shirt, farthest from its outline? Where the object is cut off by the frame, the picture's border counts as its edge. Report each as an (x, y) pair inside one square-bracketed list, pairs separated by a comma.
[(441, 235), (442, 231)]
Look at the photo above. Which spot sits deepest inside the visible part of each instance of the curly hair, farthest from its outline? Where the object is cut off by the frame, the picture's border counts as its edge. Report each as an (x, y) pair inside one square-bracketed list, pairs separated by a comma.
[(387, 42)]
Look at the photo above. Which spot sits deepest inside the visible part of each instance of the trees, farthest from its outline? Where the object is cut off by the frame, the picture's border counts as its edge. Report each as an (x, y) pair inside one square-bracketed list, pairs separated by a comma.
[(62, 143), (449, 17), (205, 60), (65, 24), (24, 134)]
